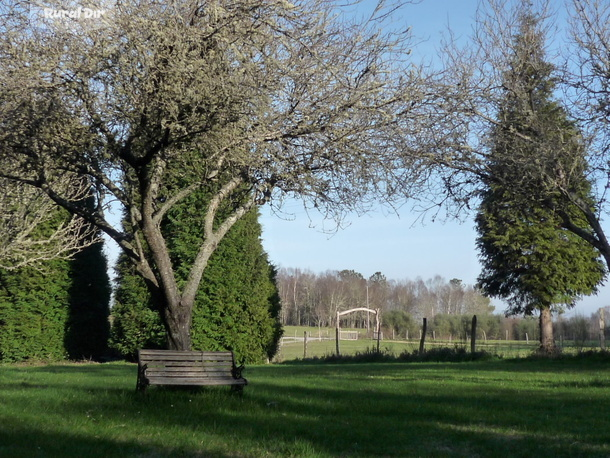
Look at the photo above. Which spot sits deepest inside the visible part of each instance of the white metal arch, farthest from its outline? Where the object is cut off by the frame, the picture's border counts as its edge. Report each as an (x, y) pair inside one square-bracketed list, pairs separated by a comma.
[(377, 314)]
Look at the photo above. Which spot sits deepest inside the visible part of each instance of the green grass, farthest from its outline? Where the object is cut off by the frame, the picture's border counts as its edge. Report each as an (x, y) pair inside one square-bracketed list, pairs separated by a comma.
[(493, 408)]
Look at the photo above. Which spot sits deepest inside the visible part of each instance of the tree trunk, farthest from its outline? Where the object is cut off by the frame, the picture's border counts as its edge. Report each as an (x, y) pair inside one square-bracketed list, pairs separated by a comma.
[(177, 306), (176, 316), (178, 319), (547, 342)]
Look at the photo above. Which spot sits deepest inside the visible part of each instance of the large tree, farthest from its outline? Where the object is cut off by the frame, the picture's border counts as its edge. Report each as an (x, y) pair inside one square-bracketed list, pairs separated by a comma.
[(264, 100), (528, 258), (471, 92), (237, 305)]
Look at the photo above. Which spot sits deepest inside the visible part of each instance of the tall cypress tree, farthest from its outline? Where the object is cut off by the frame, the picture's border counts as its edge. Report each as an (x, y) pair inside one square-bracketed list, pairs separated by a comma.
[(528, 259), (88, 325)]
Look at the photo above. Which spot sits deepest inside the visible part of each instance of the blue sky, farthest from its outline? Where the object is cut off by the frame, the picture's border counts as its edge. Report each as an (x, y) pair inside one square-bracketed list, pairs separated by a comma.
[(399, 247)]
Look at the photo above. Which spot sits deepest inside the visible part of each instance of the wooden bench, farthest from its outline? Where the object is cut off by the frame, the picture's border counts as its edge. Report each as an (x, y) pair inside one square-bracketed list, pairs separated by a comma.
[(194, 368)]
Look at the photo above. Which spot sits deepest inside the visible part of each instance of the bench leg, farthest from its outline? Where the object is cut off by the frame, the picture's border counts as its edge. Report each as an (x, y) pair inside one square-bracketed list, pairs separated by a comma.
[(239, 389), (142, 382)]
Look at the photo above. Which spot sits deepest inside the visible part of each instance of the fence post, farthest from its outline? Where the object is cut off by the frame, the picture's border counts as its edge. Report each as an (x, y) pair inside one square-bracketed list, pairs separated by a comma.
[(305, 345), (473, 337), (602, 330), (378, 326), (337, 333), (337, 339), (423, 337)]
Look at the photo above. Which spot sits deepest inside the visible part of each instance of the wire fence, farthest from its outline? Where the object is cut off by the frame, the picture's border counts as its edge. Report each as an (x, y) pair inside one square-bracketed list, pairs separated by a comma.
[(296, 344)]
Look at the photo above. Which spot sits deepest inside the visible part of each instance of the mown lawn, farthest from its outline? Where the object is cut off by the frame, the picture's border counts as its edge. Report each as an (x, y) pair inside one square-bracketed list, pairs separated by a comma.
[(493, 408)]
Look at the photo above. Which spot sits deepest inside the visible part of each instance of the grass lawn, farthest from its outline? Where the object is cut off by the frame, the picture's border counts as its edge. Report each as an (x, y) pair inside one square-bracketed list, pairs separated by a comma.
[(503, 408)]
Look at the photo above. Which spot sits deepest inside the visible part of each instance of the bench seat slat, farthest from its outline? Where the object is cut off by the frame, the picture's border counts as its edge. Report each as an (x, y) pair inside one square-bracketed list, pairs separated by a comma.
[(186, 358), (188, 376), (194, 381), (151, 369), (188, 364), (182, 352), (170, 367), (198, 374)]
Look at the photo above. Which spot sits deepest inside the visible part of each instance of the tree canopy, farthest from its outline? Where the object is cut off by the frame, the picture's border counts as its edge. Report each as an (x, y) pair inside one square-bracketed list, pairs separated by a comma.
[(26, 237), (255, 101)]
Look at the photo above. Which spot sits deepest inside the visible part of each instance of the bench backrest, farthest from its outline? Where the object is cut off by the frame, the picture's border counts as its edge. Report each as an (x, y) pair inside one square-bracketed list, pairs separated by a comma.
[(186, 364)]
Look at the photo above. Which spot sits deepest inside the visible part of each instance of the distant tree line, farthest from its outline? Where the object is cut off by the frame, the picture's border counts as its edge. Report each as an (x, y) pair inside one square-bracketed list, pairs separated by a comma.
[(313, 299)]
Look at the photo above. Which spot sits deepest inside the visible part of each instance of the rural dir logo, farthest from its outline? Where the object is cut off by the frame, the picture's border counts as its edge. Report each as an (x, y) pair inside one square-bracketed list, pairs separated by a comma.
[(78, 13), (70, 13)]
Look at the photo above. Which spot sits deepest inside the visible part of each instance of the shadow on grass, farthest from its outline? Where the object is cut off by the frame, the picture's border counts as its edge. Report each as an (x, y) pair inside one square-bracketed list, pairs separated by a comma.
[(30, 444), (328, 410)]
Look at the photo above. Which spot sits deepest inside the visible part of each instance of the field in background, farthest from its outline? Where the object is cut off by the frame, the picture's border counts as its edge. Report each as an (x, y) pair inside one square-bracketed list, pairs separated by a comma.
[(321, 342)]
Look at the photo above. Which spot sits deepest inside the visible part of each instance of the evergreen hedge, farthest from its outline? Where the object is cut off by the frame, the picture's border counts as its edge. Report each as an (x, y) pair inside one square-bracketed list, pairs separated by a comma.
[(34, 312), (57, 309)]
